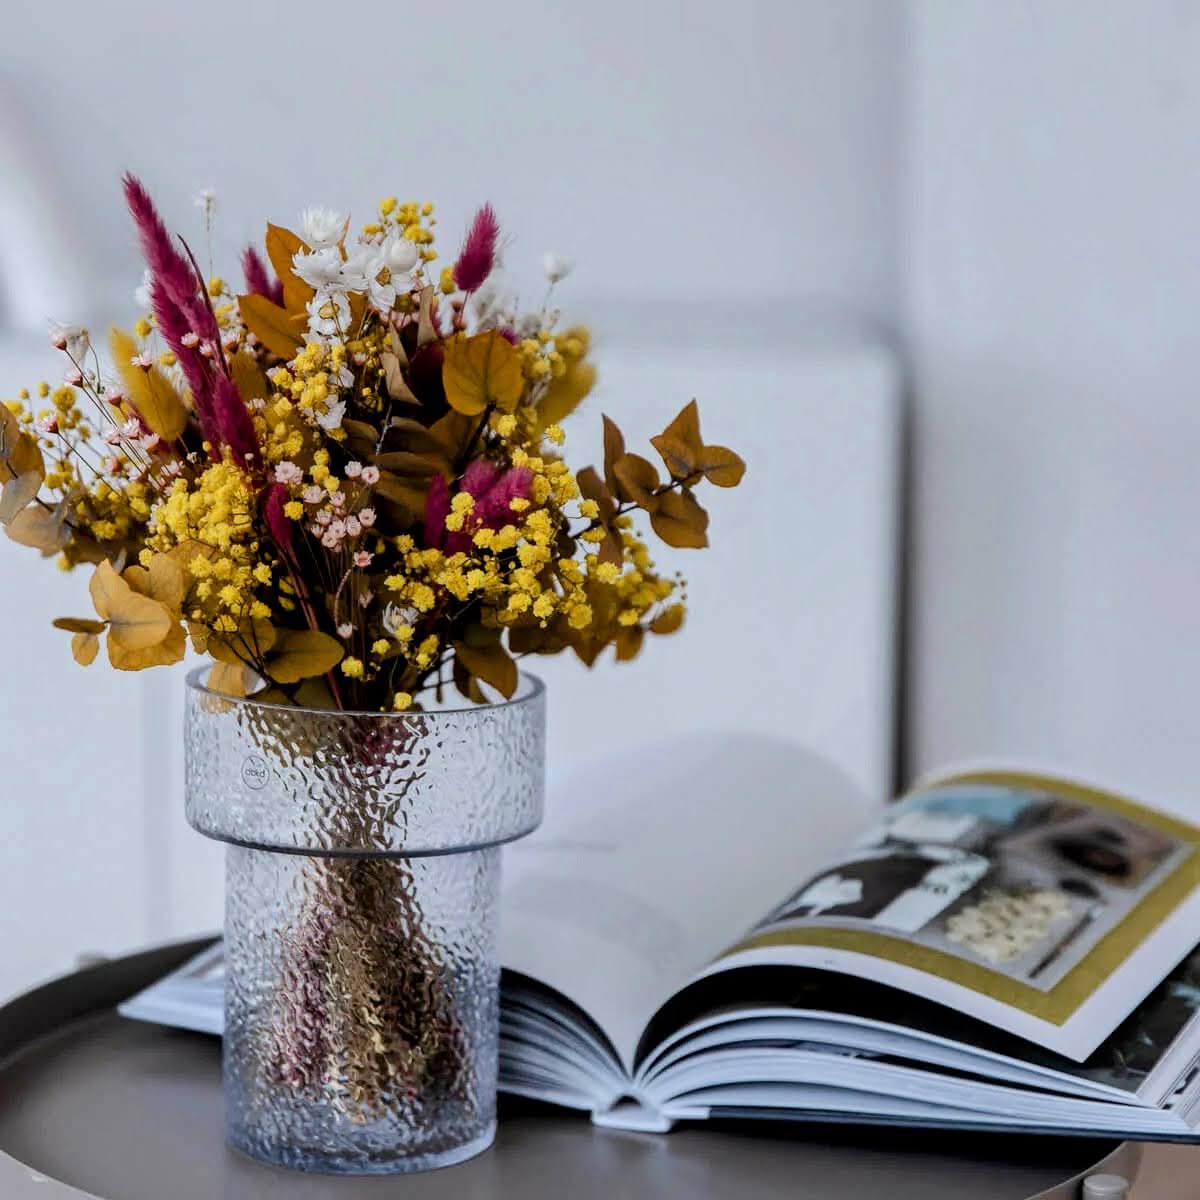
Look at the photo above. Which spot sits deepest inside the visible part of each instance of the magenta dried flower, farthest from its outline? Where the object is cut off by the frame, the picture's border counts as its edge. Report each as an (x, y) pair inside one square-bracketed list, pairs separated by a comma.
[(259, 280), (478, 254)]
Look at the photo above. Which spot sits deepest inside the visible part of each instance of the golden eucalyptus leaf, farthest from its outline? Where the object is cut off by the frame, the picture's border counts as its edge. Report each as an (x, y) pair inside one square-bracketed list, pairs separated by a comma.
[(482, 370), (301, 654), (426, 329), (566, 393), (150, 393), (467, 684), (135, 622), (252, 639), (720, 465), (162, 581), (491, 663), (638, 480), (170, 650), (408, 492), (454, 432), (685, 428), (680, 521), (282, 246), (18, 493), (404, 462), (78, 625), (19, 452), (37, 527), (272, 325), (668, 621), (85, 647)]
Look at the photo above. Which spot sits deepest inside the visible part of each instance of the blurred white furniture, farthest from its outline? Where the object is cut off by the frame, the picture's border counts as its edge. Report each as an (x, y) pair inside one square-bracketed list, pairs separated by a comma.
[(791, 633)]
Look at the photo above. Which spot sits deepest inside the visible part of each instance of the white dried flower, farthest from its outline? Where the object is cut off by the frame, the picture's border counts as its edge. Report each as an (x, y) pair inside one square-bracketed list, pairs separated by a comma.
[(556, 267)]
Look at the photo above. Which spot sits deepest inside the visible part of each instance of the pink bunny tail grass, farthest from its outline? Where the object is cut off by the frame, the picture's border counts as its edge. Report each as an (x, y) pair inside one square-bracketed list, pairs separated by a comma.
[(174, 327), (234, 426), (495, 508), (478, 254), (277, 521), (258, 278)]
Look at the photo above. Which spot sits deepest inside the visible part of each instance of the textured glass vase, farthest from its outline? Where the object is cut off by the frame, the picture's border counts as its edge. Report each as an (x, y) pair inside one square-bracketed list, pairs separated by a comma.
[(361, 888)]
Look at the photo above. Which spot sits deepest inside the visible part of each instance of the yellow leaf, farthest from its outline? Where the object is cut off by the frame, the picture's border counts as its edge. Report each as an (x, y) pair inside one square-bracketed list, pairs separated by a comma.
[(492, 663), (162, 654), (482, 370), (18, 493), (680, 521), (253, 639), (638, 480), (249, 377), (163, 581), (272, 325), (78, 625), (150, 392), (677, 456), (393, 376), (628, 642), (85, 646), (566, 393), (282, 246), (19, 453), (668, 621), (229, 680), (135, 622), (301, 654), (721, 466), (685, 428)]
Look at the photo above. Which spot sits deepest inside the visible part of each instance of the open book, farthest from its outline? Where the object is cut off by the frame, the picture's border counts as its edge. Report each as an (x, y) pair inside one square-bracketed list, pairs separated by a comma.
[(995, 950)]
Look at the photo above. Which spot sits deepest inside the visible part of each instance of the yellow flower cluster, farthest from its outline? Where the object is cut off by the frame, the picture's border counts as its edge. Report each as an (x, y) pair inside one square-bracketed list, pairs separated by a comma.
[(413, 220)]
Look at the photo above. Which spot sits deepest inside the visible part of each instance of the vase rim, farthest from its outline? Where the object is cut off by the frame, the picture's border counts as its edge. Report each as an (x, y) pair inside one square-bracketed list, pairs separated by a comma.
[(529, 688)]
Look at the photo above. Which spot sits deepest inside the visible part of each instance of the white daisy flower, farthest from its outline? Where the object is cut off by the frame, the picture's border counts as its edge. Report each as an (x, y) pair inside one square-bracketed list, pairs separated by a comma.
[(328, 312), (321, 270), (322, 226)]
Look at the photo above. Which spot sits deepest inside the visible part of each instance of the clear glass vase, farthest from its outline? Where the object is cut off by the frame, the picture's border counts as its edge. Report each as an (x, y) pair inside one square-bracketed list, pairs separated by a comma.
[(361, 889)]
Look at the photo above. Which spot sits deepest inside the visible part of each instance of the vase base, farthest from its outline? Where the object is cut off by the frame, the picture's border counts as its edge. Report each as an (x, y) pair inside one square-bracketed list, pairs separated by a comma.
[(299, 1159)]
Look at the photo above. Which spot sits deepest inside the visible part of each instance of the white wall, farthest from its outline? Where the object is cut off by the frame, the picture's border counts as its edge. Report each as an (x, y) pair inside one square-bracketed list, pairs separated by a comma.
[(1052, 273)]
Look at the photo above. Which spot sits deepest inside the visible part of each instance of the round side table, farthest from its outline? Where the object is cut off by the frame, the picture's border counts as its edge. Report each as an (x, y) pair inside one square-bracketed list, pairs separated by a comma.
[(95, 1106)]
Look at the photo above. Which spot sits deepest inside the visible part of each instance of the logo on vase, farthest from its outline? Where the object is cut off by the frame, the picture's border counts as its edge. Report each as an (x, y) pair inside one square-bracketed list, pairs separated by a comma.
[(255, 772)]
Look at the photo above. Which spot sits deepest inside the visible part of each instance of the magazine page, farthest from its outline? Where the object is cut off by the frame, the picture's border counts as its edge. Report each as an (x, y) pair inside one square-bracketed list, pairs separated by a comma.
[(1045, 907), (650, 862)]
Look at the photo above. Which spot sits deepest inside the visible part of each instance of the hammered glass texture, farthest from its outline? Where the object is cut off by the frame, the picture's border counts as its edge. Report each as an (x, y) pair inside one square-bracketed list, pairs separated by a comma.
[(361, 1009), (352, 783), (362, 878)]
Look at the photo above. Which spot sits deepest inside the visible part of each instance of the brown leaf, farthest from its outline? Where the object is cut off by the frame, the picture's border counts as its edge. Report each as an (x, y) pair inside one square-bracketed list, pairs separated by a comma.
[(677, 456), (614, 449), (272, 325), (680, 521), (426, 330), (282, 247), (482, 370), (35, 526), (628, 642), (397, 385), (638, 480), (249, 377), (721, 466), (454, 432), (78, 625), (493, 664), (685, 428), (406, 492), (17, 493), (19, 453), (404, 462)]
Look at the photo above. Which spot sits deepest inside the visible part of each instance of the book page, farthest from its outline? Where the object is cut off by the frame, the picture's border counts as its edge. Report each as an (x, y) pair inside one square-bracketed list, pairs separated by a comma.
[(1045, 907), (652, 861)]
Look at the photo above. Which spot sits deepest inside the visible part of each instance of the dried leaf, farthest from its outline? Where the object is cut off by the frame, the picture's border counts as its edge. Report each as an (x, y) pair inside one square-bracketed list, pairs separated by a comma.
[(721, 466), (170, 650), (135, 622), (680, 521), (228, 679), (467, 684), (566, 393), (151, 394), (397, 385), (35, 526), (19, 452), (677, 456), (493, 664), (282, 246), (406, 492), (18, 493), (85, 647), (404, 462), (628, 642), (638, 480), (78, 625), (249, 378), (162, 581), (426, 330), (396, 346), (482, 370), (301, 654), (668, 621), (253, 639), (272, 325), (614, 449), (454, 432), (685, 428)]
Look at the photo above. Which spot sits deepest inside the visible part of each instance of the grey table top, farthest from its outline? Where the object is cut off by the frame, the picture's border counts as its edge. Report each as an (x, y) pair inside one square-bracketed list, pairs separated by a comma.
[(93, 1105)]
